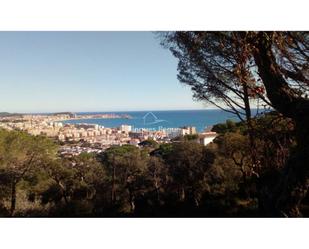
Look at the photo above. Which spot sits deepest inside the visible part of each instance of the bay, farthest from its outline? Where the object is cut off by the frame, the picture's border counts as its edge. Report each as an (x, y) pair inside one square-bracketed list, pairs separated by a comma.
[(200, 119)]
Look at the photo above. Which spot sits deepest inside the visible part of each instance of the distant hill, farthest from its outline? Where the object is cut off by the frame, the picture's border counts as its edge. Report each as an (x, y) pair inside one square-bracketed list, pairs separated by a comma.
[(71, 114), (7, 114)]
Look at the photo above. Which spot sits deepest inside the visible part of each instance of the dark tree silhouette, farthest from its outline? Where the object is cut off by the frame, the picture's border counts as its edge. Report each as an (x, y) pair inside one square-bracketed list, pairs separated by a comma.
[(228, 69), (217, 67)]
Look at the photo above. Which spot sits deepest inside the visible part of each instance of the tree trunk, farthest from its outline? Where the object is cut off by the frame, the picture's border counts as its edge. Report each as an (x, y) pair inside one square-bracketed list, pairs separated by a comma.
[(157, 189), (132, 201), (63, 192), (13, 198), (113, 194), (251, 132)]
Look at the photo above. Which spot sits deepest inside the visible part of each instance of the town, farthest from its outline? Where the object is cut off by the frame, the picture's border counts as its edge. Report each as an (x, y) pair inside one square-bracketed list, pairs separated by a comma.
[(92, 138)]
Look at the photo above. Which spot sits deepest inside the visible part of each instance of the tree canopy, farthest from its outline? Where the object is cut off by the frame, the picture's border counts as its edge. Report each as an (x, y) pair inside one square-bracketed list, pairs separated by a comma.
[(231, 69)]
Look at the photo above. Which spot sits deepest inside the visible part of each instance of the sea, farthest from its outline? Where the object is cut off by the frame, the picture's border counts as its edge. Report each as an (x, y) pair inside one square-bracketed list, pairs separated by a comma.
[(158, 120)]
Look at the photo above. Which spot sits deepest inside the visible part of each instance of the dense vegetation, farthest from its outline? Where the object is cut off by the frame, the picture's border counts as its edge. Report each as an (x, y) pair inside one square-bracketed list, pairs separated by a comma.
[(236, 71), (179, 179)]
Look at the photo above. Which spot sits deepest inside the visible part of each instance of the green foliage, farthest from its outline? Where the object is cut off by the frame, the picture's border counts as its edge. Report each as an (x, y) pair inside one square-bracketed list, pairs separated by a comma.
[(149, 143), (188, 165), (228, 126), (191, 137), (125, 166), (163, 150), (21, 156), (73, 182)]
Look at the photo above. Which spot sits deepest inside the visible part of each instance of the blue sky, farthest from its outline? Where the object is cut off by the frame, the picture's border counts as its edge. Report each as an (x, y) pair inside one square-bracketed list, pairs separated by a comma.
[(88, 71)]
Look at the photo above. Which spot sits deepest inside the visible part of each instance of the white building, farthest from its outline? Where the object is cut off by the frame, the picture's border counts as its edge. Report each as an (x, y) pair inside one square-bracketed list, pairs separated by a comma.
[(126, 128), (207, 137)]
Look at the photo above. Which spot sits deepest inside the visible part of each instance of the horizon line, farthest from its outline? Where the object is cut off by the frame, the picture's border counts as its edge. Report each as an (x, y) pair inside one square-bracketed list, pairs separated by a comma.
[(146, 110)]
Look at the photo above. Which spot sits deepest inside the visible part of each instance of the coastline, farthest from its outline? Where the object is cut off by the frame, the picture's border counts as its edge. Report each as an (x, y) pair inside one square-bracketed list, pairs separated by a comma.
[(94, 116), (69, 119)]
